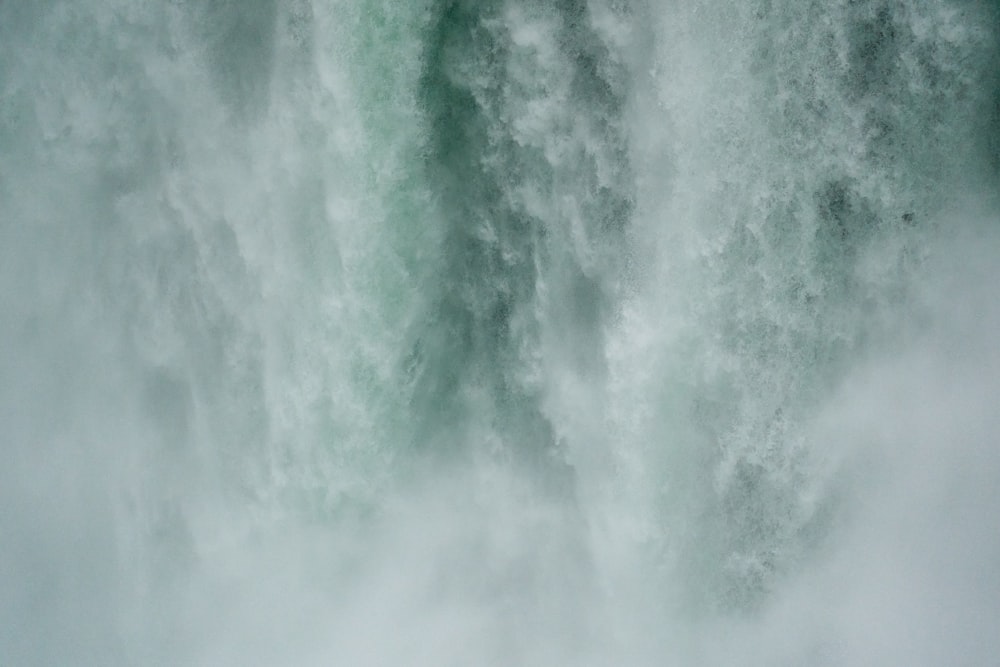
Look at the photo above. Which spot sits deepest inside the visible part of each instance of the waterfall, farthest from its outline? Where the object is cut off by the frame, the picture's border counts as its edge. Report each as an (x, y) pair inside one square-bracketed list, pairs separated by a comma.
[(499, 332)]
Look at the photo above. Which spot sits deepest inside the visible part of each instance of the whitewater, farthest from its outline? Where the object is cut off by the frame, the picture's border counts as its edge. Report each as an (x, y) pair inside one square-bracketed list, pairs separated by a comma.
[(499, 332)]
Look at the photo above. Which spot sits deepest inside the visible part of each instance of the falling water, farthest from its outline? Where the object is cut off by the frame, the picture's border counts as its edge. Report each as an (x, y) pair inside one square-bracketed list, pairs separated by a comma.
[(499, 332)]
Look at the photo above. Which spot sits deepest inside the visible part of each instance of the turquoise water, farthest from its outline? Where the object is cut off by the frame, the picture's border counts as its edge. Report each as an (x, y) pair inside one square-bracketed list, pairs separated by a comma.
[(565, 332)]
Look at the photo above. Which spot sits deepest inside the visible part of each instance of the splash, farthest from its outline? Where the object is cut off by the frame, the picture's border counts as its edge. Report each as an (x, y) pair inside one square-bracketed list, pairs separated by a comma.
[(504, 332)]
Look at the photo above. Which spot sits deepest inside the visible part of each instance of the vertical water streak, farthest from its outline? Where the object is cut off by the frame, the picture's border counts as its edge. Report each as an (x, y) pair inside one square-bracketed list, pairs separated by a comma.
[(529, 159), (793, 160)]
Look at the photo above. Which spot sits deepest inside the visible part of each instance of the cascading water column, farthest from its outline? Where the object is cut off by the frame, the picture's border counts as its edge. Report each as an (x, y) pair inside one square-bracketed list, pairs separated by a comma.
[(798, 166), (213, 237), (503, 332)]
